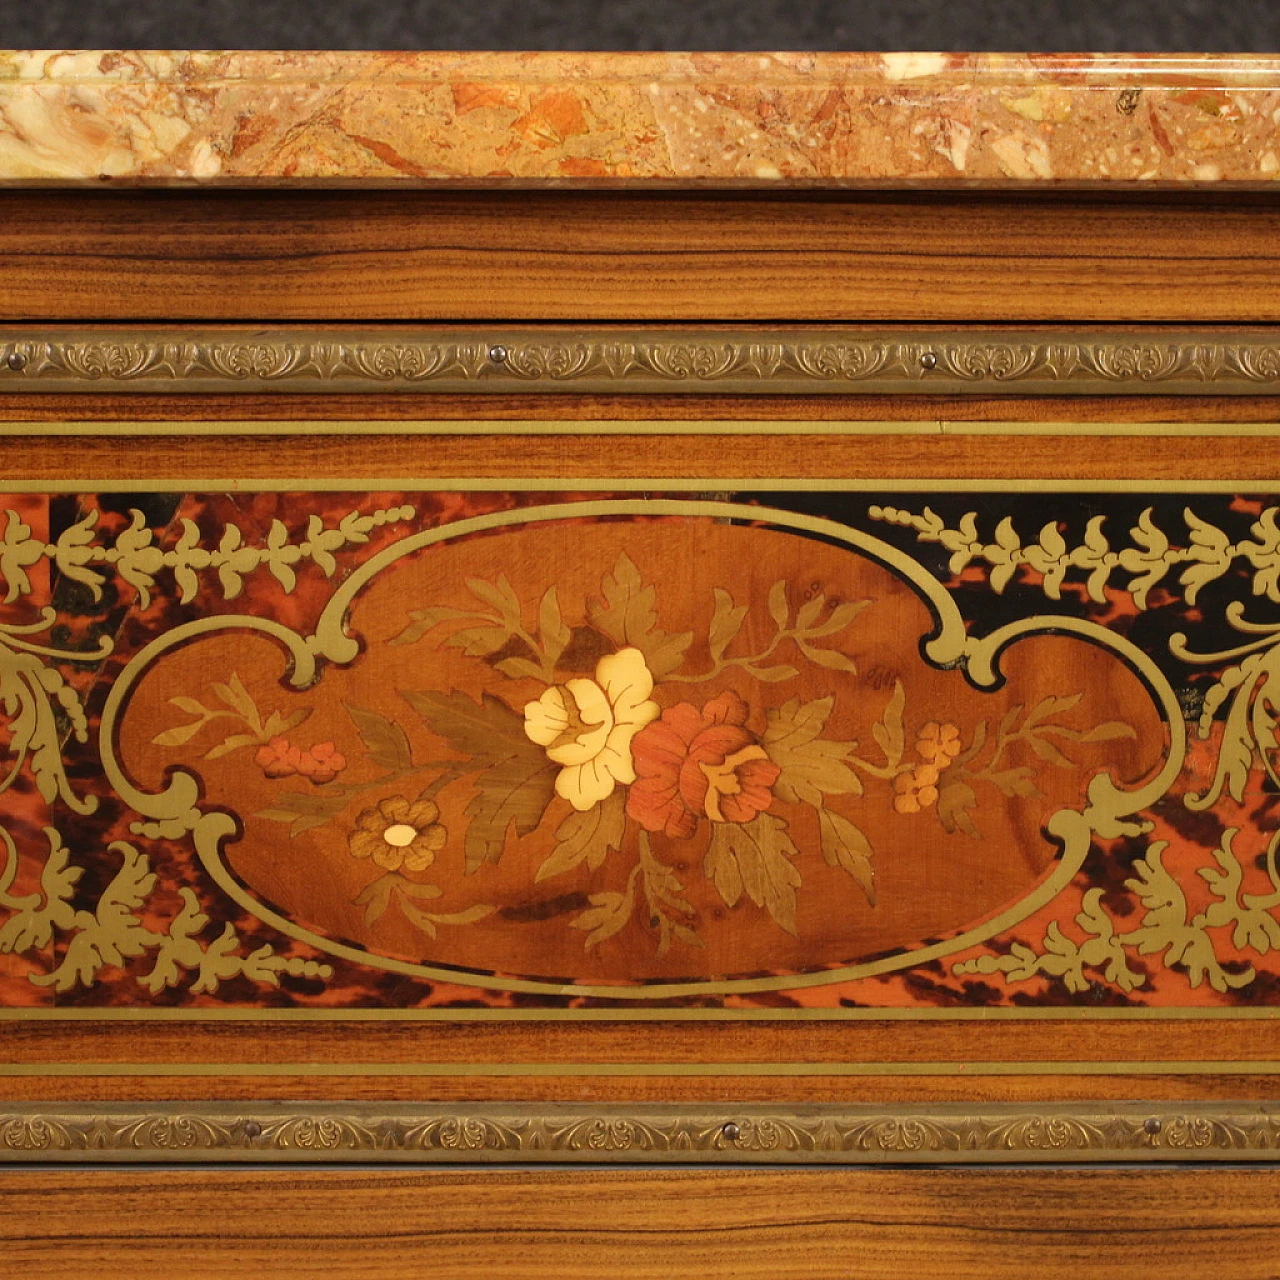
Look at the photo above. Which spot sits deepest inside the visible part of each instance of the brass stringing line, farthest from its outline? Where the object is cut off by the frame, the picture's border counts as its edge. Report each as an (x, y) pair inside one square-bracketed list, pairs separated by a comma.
[(223, 428), (727, 1013), (631, 484)]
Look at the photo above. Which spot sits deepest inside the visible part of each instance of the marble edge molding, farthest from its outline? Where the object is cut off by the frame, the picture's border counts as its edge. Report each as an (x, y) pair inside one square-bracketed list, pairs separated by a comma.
[(622, 120), (609, 360), (658, 1134)]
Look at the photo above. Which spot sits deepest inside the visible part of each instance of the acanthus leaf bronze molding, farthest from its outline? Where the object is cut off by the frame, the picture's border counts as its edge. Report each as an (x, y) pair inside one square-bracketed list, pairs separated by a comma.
[(492, 1133), (603, 360)]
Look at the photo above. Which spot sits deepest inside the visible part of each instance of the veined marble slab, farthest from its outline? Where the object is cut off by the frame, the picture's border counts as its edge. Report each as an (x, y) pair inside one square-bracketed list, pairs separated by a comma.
[(618, 120)]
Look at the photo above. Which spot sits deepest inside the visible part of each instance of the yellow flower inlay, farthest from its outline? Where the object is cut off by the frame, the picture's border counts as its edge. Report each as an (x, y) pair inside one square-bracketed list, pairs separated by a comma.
[(586, 726)]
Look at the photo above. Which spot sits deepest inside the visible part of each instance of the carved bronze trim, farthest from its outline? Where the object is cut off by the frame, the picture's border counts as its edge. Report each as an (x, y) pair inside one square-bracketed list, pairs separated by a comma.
[(702, 361), (642, 1134)]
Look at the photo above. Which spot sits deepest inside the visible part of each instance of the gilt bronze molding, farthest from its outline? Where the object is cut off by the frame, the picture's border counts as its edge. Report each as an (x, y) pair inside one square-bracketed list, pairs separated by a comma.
[(495, 1133), (609, 360)]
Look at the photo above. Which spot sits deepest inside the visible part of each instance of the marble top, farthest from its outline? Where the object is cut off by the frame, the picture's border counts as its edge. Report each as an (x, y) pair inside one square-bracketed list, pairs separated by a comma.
[(621, 120)]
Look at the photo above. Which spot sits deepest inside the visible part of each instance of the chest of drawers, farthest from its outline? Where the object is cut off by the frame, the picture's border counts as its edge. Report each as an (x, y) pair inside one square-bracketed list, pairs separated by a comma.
[(642, 662)]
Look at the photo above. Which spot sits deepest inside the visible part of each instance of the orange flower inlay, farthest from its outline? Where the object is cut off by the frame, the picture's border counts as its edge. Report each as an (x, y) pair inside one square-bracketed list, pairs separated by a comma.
[(692, 764), (281, 759)]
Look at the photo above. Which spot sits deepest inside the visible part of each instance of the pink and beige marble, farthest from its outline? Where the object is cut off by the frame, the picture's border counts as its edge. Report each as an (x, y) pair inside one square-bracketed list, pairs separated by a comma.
[(618, 120)]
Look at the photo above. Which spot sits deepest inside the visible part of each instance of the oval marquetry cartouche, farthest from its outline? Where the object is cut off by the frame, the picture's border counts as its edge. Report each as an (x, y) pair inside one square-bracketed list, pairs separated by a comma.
[(611, 751)]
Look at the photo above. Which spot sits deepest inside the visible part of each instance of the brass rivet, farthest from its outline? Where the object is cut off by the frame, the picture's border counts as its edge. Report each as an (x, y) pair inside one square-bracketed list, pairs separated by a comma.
[(498, 355), (928, 360), (1153, 1126), (252, 1129), (17, 361), (731, 1131)]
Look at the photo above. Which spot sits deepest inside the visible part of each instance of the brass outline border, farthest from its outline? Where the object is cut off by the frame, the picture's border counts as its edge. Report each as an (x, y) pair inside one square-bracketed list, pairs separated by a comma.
[(177, 807), (602, 360), (641, 1134), (680, 1013)]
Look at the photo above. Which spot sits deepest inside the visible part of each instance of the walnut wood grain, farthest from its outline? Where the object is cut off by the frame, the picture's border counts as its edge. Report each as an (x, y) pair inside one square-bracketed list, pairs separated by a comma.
[(540, 256), (1029, 1091), (413, 458), (393, 1050), (816, 1042), (964, 1091), (878, 1224), (586, 407)]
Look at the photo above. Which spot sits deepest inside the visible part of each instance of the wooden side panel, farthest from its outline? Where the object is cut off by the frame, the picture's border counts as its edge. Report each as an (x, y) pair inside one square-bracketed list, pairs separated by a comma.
[(395, 457), (1185, 411), (879, 1225), (523, 256), (881, 1063), (621, 1062)]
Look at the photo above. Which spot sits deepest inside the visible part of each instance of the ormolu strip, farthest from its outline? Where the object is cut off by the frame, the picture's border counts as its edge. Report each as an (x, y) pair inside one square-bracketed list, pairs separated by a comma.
[(648, 1134), (600, 361)]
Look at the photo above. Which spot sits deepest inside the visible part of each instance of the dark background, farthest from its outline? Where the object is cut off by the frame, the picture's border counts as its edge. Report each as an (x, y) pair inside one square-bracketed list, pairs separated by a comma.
[(1206, 26)]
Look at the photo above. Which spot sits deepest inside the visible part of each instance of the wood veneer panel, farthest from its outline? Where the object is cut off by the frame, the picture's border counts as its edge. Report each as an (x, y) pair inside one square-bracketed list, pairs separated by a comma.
[(335, 1042), (150, 407), (397, 458), (788, 1093), (394, 1224), (539, 256), (383, 1058)]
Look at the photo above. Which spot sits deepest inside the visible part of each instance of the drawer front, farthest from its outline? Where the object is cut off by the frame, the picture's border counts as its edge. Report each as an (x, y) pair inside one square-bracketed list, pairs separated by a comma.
[(808, 776)]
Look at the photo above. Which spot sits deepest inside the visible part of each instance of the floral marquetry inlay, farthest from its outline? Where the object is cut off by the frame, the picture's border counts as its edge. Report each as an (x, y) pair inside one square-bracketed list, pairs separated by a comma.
[(747, 750)]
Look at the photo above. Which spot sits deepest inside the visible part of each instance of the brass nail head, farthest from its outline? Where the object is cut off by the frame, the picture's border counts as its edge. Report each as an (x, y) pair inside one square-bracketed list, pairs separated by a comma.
[(929, 360), (17, 361), (498, 355), (1152, 1126), (252, 1129), (731, 1131)]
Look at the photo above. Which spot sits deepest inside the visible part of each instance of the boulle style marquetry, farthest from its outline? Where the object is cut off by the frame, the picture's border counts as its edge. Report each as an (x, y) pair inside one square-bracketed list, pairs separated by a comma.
[(448, 752)]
